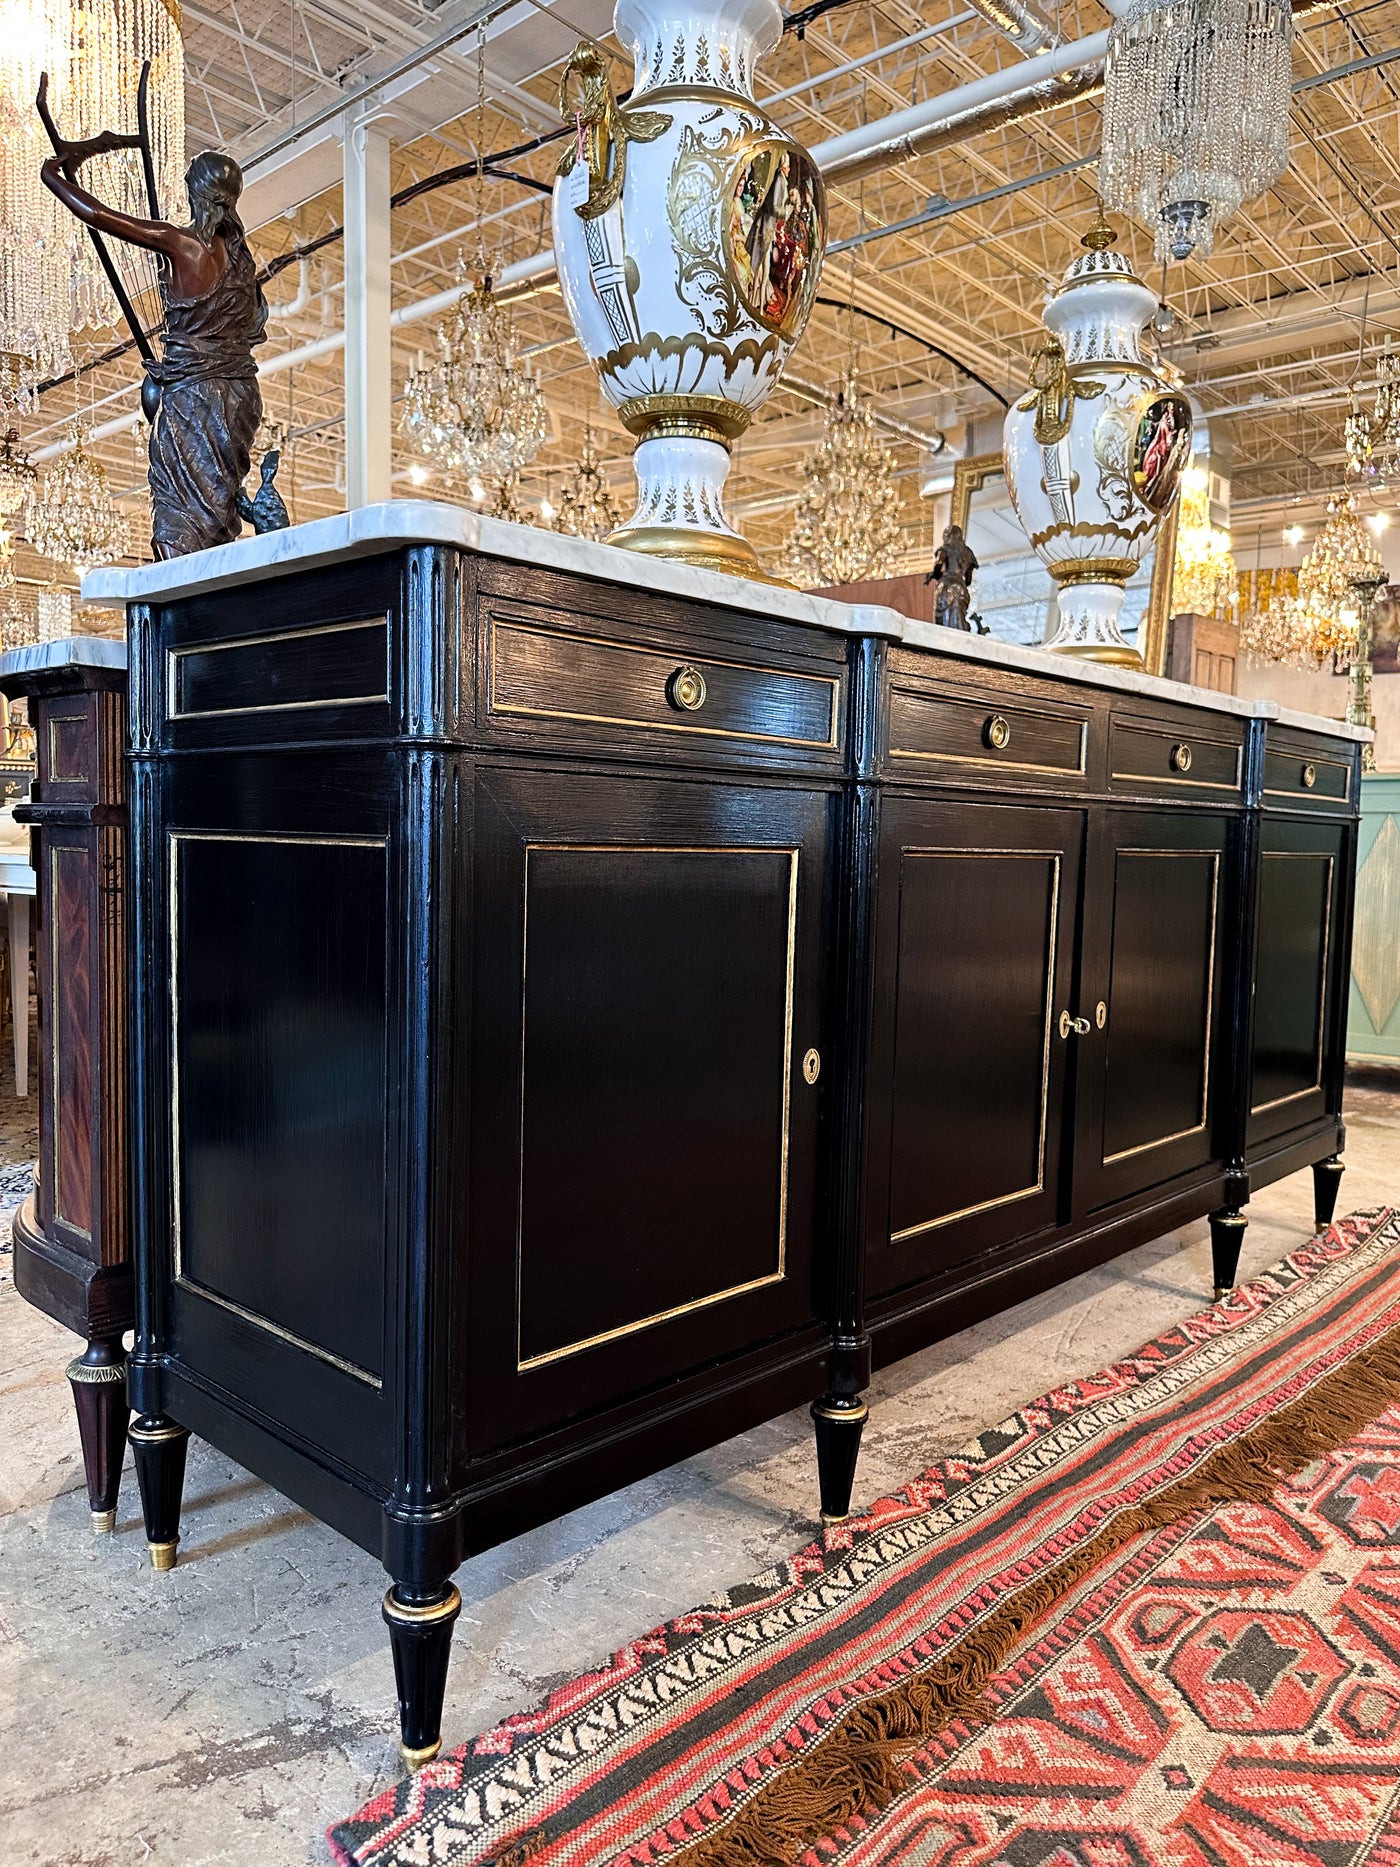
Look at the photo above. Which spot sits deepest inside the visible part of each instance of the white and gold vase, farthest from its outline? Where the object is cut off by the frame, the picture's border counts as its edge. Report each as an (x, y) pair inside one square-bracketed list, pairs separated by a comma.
[(688, 232), (1095, 453)]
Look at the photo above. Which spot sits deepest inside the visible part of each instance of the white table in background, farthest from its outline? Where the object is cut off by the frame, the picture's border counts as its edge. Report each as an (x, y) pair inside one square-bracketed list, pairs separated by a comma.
[(17, 884)]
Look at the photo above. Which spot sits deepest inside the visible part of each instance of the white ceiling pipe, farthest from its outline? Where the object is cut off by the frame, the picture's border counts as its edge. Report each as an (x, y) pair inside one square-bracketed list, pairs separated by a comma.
[(1069, 71)]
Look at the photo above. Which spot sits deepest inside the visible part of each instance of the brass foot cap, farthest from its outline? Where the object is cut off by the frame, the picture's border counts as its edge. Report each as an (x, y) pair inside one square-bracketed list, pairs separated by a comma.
[(415, 1759), (104, 1522), (829, 1520), (163, 1554), (1222, 1291)]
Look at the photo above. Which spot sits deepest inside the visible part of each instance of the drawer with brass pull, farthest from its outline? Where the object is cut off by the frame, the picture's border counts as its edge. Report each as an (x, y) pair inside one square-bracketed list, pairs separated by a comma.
[(1305, 777), (1149, 757), (588, 681), (982, 735)]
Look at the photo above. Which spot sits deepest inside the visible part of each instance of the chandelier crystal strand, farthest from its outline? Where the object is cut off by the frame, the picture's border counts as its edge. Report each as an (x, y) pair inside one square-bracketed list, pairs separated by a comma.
[(586, 508), (73, 518), (847, 525), (94, 84), (34, 244), (1196, 113)]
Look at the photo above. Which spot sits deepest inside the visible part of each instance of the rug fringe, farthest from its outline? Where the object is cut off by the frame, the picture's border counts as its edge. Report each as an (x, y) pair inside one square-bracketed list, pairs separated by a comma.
[(856, 1769)]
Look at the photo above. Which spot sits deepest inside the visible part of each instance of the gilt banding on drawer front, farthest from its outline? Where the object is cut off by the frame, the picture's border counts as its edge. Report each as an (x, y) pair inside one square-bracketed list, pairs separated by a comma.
[(958, 732), (550, 674), (335, 664)]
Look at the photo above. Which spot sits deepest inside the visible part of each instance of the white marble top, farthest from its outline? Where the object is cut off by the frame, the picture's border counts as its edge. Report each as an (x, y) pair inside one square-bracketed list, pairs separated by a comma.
[(370, 529), (70, 651)]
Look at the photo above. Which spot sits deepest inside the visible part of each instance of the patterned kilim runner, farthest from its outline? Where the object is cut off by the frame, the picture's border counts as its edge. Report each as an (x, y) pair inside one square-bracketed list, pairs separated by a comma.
[(1153, 1619)]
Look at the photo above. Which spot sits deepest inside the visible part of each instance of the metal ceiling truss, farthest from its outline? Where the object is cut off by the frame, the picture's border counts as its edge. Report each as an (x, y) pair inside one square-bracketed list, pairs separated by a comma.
[(955, 249)]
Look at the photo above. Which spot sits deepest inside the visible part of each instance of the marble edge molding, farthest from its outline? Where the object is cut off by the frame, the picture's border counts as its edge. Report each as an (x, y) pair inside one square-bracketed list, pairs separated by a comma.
[(69, 651), (365, 530)]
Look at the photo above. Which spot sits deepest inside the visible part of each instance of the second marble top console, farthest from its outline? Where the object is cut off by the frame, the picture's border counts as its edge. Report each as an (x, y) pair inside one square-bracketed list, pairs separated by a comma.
[(582, 1010)]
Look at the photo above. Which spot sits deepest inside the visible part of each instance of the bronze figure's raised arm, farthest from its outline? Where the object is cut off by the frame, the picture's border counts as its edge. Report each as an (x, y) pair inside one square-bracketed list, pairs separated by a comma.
[(209, 402)]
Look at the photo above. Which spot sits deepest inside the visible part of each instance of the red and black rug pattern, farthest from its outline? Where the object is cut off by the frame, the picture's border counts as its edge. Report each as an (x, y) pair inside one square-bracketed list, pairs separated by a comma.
[(1153, 1618)]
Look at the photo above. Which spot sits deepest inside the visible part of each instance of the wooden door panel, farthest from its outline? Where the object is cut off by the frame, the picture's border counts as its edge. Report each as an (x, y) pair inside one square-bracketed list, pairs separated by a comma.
[(661, 979), (1158, 894), (650, 980), (1158, 1035), (1297, 976), (975, 938)]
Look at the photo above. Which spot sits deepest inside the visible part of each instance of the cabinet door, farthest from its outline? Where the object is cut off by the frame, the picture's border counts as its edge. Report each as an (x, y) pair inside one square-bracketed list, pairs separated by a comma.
[(647, 987), (1299, 1020), (974, 963), (1158, 899)]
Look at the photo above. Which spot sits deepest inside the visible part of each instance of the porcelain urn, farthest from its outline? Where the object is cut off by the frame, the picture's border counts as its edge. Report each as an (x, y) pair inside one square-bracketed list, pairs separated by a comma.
[(1095, 453), (688, 232)]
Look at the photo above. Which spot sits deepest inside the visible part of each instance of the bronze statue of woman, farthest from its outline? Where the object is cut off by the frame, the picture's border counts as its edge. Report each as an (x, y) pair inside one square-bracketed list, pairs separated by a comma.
[(210, 404)]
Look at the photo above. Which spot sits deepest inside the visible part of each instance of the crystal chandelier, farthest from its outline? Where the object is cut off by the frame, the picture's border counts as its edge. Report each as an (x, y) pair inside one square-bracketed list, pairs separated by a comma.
[(847, 526), (34, 246), (1203, 577), (73, 518), (17, 478), (50, 279), (17, 621), (93, 80), (586, 507), (1372, 440), (1195, 117), (1324, 614), (476, 408), (55, 605)]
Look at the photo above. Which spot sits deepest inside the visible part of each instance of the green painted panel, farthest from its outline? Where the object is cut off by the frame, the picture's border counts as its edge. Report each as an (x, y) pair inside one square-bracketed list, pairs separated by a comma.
[(1373, 1024)]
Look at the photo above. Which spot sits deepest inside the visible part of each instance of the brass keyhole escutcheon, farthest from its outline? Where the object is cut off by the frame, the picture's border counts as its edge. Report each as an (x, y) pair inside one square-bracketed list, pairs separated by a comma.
[(1309, 777), (686, 689), (1181, 757), (1079, 1027), (812, 1065), (997, 732), (1101, 1014)]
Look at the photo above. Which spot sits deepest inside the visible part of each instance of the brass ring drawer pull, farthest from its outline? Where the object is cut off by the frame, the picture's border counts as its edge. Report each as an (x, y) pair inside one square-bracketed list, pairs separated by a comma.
[(686, 689), (1309, 777), (997, 732), (1181, 757), (1081, 1027)]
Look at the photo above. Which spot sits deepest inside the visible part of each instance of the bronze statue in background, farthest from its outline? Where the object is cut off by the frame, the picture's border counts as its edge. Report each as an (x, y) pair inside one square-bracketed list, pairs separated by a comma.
[(952, 572), (209, 404)]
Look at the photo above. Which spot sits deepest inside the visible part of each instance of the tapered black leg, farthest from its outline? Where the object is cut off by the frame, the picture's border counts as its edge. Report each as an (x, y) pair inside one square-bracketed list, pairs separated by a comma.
[(98, 1380), (160, 1446), (420, 1631), (839, 1423), (1327, 1180), (1226, 1236)]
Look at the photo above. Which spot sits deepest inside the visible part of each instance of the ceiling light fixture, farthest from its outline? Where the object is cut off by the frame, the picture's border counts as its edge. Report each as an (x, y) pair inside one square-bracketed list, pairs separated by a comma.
[(1196, 113)]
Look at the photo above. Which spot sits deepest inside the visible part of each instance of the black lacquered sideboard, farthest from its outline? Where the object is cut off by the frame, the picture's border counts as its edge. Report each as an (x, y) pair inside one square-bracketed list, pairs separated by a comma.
[(582, 1010)]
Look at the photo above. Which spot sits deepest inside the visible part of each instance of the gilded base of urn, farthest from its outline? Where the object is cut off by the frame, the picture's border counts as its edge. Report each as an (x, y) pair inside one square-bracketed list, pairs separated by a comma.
[(1089, 610), (682, 462), (705, 550)]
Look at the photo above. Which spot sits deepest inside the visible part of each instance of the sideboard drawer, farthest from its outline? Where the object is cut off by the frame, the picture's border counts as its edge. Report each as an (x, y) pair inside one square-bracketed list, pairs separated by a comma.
[(1174, 757), (1305, 777), (551, 674), (984, 733)]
